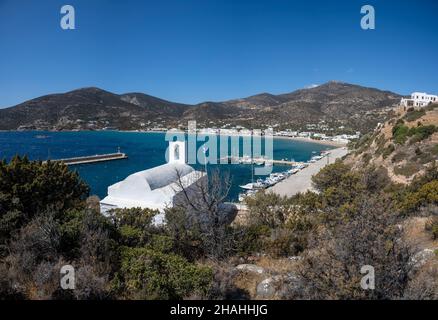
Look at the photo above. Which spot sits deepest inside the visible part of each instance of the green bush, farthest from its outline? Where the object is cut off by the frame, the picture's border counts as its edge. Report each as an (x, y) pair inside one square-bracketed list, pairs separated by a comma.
[(413, 115), (134, 225), (148, 274), (431, 107), (363, 143), (330, 176), (380, 143), (399, 156), (400, 133), (284, 243), (161, 243), (434, 150), (338, 184), (267, 208), (421, 132), (407, 170), (432, 227), (388, 151), (250, 239), (425, 158), (435, 231), (366, 158), (424, 195), (28, 188)]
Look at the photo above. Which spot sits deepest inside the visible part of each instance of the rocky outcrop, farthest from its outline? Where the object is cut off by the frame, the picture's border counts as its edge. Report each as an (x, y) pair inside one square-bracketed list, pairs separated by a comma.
[(250, 268)]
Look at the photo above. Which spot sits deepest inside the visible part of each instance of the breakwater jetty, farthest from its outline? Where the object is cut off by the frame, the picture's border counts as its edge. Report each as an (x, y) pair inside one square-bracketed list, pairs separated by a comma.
[(92, 159)]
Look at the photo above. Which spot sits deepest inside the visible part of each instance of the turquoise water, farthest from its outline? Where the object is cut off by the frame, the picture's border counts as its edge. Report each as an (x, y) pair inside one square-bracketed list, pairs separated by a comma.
[(145, 150)]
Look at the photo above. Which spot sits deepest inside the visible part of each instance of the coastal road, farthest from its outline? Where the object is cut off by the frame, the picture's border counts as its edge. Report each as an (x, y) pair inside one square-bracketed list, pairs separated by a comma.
[(301, 181)]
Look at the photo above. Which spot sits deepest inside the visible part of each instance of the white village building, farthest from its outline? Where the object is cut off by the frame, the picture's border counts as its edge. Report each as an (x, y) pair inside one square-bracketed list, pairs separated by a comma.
[(419, 99), (156, 188)]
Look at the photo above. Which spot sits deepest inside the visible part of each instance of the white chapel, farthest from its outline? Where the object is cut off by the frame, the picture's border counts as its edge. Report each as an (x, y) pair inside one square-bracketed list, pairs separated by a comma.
[(155, 188)]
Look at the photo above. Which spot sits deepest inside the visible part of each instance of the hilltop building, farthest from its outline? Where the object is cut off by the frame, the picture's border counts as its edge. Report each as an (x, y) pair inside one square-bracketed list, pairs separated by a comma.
[(156, 188), (419, 99)]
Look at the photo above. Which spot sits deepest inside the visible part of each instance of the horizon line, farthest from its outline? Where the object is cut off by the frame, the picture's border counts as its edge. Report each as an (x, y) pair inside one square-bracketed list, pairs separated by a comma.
[(308, 87)]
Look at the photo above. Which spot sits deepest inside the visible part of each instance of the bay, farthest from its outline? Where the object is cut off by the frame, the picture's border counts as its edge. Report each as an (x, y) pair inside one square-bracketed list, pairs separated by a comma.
[(144, 150)]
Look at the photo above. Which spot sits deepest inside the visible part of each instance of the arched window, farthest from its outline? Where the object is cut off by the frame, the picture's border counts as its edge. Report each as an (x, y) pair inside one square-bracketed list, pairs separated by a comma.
[(176, 152)]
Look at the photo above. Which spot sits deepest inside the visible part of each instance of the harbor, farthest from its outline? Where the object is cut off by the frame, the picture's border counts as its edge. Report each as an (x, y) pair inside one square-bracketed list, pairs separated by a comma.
[(145, 150), (302, 181), (258, 161), (295, 180)]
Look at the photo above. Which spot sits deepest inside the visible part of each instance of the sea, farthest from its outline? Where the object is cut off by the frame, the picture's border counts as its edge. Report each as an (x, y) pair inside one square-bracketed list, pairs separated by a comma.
[(144, 150)]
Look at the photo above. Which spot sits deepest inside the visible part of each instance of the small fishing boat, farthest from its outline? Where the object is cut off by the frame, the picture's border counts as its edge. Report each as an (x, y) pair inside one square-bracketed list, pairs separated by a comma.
[(41, 136), (254, 185), (248, 186), (293, 171)]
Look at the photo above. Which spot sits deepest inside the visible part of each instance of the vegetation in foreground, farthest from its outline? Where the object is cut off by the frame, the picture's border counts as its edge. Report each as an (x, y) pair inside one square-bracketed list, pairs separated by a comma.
[(311, 246), (405, 146)]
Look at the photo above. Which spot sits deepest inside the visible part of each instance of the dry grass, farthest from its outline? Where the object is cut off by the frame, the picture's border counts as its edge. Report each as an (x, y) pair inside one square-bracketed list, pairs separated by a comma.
[(248, 281), (417, 235), (282, 265)]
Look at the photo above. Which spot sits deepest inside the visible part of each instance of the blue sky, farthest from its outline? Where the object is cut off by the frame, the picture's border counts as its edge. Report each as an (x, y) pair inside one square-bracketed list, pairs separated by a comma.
[(196, 50)]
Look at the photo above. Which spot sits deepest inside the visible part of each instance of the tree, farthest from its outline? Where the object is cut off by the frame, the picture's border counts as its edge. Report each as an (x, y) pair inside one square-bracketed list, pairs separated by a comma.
[(33, 253), (148, 274), (204, 208), (29, 187), (331, 175), (86, 240), (185, 233), (268, 208)]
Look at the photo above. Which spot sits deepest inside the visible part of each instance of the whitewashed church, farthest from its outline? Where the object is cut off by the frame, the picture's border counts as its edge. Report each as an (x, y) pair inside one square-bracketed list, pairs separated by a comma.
[(156, 188)]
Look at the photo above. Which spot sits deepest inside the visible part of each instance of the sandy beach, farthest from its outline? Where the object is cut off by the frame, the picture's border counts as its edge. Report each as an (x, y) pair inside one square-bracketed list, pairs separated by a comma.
[(322, 142), (309, 140), (301, 181)]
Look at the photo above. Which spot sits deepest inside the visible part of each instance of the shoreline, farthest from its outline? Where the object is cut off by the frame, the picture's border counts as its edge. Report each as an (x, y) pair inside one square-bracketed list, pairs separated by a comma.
[(302, 139), (322, 142)]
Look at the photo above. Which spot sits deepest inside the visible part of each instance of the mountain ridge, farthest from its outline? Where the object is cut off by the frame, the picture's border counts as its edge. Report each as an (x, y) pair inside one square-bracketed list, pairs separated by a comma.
[(95, 108)]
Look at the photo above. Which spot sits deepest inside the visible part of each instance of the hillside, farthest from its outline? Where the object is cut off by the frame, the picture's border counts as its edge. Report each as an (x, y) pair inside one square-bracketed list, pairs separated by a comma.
[(154, 104), (86, 108), (405, 145), (334, 104)]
